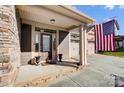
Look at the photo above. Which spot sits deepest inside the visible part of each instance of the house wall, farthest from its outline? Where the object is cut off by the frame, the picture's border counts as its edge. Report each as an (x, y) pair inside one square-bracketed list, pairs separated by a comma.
[(64, 44), (90, 43), (74, 46), (9, 43)]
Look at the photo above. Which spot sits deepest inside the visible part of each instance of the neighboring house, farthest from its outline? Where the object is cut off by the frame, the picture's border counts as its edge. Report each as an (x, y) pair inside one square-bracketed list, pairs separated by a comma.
[(119, 40), (27, 31), (90, 42), (74, 48), (74, 43)]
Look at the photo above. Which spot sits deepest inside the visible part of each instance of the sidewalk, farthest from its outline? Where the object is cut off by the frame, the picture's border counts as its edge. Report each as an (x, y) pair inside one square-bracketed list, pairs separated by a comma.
[(31, 75)]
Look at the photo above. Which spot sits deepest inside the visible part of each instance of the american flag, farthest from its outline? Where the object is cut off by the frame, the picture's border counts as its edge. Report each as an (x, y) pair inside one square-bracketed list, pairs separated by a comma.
[(104, 36)]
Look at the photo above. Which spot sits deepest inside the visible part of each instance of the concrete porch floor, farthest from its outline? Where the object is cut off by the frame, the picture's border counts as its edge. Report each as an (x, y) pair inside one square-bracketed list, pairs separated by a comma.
[(31, 75)]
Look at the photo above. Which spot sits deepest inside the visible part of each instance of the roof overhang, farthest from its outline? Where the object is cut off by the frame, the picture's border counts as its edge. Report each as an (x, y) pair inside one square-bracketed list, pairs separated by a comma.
[(65, 16), (71, 12)]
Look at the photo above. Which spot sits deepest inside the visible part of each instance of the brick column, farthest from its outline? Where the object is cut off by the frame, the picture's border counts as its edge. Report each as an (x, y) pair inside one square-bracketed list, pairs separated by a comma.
[(9, 43)]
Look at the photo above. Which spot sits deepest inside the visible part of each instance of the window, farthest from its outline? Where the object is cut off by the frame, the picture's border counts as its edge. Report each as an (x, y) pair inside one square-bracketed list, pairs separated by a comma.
[(36, 38), (37, 42), (119, 46)]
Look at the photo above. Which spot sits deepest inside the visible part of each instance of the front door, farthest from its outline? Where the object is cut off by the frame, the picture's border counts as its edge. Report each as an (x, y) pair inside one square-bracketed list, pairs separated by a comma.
[(46, 44)]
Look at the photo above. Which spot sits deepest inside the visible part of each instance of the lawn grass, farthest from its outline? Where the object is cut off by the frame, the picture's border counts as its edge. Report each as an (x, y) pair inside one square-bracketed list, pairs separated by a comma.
[(120, 54)]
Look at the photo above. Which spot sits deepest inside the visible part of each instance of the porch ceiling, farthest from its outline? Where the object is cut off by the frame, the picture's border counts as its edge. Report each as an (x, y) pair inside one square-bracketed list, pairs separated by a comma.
[(43, 14)]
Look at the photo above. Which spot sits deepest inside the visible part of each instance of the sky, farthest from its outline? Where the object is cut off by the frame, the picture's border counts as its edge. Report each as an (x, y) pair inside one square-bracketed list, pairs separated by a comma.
[(101, 13)]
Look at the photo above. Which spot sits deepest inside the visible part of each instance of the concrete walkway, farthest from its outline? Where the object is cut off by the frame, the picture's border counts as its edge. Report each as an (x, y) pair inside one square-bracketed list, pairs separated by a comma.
[(96, 75), (31, 75)]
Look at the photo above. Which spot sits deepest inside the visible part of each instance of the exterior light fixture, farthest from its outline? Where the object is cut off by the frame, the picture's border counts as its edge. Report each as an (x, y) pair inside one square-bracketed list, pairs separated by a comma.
[(52, 21)]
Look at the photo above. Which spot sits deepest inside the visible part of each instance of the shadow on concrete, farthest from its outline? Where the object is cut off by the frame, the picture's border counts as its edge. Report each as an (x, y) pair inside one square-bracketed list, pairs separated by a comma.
[(67, 63)]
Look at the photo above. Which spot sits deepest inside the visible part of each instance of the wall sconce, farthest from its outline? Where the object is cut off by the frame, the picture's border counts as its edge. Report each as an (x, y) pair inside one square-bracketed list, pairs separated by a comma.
[(52, 21)]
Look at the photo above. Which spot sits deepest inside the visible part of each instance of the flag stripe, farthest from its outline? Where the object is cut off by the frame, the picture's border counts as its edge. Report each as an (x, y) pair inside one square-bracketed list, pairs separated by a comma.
[(105, 43), (112, 42), (100, 37), (108, 42), (98, 30), (96, 38)]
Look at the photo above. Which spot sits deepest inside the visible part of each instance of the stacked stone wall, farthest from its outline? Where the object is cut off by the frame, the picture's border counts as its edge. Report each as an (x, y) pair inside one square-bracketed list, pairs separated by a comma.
[(9, 43)]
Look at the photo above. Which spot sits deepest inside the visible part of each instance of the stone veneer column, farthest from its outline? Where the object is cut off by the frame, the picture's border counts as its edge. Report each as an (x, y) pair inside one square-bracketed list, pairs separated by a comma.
[(9, 43)]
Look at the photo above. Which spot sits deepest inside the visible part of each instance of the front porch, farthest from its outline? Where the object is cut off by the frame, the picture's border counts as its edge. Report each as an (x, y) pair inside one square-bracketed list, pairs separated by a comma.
[(44, 75), (41, 37), (46, 32)]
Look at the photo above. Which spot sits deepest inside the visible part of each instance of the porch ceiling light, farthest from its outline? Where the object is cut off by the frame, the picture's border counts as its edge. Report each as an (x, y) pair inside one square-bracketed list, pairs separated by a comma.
[(52, 21)]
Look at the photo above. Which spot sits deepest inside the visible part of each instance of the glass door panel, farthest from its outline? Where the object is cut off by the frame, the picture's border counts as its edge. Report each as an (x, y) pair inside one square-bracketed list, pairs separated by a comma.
[(46, 43)]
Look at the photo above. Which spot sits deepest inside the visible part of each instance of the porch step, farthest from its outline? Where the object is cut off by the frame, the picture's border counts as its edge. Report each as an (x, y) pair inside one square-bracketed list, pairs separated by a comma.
[(44, 80)]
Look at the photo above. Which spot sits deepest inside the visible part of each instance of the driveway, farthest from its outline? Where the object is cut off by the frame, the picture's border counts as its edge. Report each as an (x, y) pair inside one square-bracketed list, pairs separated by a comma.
[(95, 75)]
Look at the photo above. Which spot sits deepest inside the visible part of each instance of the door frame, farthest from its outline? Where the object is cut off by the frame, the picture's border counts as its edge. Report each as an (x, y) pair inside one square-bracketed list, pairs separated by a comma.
[(41, 44)]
